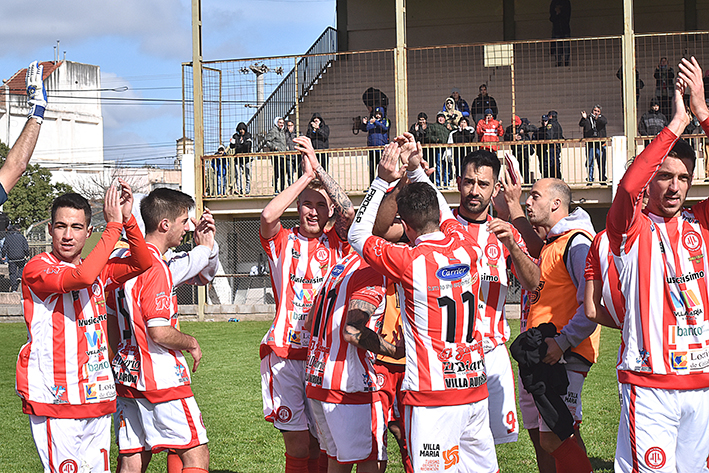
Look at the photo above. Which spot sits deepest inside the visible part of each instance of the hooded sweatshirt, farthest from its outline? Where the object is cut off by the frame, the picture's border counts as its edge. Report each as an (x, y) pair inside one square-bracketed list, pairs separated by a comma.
[(241, 144), (579, 327), (320, 136), (276, 137)]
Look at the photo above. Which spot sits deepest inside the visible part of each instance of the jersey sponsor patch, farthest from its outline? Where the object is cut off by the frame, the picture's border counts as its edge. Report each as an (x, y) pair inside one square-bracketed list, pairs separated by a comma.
[(690, 360), (162, 302), (453, 272), (451, 457)]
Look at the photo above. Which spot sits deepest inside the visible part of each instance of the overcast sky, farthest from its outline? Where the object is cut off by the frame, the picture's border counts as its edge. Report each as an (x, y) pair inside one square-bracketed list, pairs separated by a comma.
[(141, 45)]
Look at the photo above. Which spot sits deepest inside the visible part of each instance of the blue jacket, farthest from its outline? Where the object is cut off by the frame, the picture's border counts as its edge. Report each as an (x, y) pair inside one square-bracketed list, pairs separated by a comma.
[(378, 132)]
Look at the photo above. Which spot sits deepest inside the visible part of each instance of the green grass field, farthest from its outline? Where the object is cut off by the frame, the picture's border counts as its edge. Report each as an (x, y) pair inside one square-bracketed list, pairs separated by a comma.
[(228, 389)]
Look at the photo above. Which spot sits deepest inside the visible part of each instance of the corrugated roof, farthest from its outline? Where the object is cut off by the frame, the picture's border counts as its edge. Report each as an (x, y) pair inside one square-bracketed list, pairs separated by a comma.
[(17, 81)]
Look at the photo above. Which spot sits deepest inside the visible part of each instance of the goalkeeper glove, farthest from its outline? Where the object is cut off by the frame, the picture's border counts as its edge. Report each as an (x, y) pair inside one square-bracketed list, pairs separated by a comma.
[(36, 93)]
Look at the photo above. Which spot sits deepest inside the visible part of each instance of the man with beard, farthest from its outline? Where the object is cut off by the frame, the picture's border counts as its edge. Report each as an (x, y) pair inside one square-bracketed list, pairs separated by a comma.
[(503, 248)]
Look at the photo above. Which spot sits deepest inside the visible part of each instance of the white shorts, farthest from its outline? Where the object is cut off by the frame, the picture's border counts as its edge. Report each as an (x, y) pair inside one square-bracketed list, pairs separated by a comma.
[(65, 445), (351, 433), (662, 430), (283, 393), (450, 438), (530, 414), (143, 426), (501, 400)]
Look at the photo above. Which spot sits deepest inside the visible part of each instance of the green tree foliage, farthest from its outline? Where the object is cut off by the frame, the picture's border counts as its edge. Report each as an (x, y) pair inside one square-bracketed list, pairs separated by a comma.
[(31, 198)]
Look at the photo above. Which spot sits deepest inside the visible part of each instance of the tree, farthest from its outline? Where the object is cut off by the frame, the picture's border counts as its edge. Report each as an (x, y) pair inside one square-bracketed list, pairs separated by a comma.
[(32, 196), (94, 186)]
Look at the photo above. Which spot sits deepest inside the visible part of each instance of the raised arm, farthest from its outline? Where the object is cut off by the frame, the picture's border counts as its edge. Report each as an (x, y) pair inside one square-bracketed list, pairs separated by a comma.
[(527, 271), (343, 204), (271, 215), (627, 203), (512, 193), (21, 152), (199, 265)]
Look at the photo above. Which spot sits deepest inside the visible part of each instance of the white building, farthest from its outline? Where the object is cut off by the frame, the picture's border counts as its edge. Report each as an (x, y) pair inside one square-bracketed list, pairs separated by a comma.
[(71, 141)]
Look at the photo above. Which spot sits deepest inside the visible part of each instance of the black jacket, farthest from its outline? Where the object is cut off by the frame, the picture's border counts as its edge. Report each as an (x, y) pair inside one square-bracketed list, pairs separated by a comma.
[(241, 144), (15, 247), (594, 128), (321, 136), (546, 383)]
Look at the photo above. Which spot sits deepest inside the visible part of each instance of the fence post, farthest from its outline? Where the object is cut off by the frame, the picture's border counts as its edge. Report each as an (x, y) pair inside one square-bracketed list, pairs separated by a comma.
[(400, 79), (629, 74)]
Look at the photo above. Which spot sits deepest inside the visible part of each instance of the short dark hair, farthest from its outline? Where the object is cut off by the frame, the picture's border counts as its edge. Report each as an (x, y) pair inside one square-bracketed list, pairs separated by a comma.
[(563, 192), (72, 200), (418, 205), (480, 158), (683, 150), (163, 203), (423, 115)]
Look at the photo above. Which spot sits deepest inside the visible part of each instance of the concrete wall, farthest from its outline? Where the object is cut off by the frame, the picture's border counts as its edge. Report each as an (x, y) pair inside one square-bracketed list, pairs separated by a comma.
[(371, 24)]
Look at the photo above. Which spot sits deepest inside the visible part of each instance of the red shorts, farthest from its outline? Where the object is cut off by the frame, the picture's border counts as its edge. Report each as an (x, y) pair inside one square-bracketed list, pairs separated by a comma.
[(389, 378)]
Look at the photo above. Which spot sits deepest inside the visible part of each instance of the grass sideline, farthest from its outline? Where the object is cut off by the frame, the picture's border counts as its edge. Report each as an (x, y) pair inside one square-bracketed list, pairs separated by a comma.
[(227, 386)]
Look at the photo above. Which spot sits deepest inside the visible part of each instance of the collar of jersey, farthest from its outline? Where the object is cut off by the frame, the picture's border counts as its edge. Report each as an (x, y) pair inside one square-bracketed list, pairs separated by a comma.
[(439, 235), (476, 222)]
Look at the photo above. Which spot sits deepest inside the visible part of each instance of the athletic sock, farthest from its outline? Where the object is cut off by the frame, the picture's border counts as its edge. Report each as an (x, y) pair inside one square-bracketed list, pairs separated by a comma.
[(322, 462), (296, 465), (174, 464), (314, 465), (406, 460), (194, 469), (570, 458)]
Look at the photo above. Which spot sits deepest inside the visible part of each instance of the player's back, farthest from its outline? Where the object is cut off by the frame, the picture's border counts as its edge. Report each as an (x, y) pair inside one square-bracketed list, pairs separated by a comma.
[(333, 363)]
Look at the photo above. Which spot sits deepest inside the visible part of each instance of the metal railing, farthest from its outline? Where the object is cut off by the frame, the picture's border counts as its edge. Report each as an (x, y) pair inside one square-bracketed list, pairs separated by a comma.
[(354, 168), (295, 86)]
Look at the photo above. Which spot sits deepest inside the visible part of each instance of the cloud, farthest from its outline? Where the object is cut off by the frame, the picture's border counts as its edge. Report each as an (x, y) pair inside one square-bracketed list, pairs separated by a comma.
[(161, 27)]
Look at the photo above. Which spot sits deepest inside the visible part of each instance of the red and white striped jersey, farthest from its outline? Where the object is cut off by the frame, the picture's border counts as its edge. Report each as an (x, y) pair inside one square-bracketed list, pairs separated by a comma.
[(492, 267), (141, 367), (439, 288), (63, 370), (337, 371), (662, 267), (601, 267), (298, 268)]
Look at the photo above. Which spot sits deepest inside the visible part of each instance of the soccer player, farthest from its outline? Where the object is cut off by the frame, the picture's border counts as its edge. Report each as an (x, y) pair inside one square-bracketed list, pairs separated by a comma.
[(21, 152), (661, 256), (445, 390), (603, 302), (559, 299), (299, 259), (156, 408), (341, 383), (63, 372), (503, 248)]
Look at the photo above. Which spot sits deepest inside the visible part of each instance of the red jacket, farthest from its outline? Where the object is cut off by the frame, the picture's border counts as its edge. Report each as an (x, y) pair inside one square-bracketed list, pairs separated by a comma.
[(490, 131)]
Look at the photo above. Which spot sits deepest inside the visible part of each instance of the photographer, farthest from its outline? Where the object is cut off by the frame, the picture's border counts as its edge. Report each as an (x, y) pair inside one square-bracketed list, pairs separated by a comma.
[(594, 126)]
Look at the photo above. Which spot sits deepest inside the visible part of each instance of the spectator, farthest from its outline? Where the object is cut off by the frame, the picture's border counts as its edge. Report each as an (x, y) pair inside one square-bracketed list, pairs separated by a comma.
[(652, 122), (522, 130), (438, 133), (464, 134), (560, 17), (550, 153), (460, 104), (276, 141), (15, 251), (377, 128), (291, 159), (452, 115), (420, 128), (219, 165), (489, 130), (319, 134), (375, 98), (241, 143), (481, 103), (594, 126), (639, 85), (664, 86)]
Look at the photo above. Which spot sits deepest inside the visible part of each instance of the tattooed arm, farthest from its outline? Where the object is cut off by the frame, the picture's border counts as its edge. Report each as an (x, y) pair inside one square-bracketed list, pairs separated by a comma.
[(358, 334), (343, 204)]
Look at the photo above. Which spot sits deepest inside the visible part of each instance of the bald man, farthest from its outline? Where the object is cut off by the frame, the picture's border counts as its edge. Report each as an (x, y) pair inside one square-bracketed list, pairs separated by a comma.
[(559, 299)]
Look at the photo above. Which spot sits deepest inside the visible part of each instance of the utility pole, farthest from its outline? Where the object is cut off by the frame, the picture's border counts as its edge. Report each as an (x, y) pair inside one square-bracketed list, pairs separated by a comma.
[(629, 74), (401, 83)]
